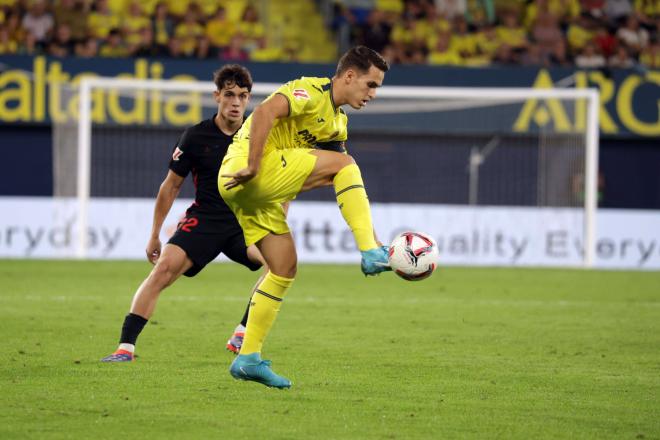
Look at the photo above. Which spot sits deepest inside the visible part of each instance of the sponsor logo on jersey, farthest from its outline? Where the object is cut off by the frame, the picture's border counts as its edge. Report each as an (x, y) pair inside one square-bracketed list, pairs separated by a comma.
[(300, 94), (177, 154)]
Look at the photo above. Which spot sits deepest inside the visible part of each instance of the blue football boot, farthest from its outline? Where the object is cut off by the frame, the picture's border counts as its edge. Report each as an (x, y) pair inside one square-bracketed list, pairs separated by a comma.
[(119, 356), (252, 367), (375, 261)]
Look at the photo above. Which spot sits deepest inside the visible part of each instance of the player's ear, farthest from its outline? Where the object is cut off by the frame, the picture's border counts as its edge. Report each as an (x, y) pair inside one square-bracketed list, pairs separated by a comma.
[(349, 76), (217, 95)]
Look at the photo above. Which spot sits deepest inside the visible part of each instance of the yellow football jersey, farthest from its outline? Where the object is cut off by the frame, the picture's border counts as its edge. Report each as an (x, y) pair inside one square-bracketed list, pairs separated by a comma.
[(313, 121)]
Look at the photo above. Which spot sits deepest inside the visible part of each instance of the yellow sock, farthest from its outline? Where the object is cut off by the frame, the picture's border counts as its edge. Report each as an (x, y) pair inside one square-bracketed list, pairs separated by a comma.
[(354, 206), (266, 302)]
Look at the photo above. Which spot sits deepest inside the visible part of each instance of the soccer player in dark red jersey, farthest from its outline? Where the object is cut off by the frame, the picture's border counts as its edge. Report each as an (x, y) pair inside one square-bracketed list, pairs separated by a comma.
[(209, 227)]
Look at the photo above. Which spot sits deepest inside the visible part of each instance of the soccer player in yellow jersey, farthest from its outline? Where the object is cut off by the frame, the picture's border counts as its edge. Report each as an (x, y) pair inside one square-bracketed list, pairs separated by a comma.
[(275, 156)]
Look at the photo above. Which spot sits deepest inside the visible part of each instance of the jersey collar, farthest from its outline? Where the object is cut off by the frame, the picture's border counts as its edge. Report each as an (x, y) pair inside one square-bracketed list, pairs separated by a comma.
[(328, 87)]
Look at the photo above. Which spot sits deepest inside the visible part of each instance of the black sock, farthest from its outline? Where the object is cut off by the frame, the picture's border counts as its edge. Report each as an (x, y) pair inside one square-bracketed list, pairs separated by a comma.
[(245, 316), (133, 325)]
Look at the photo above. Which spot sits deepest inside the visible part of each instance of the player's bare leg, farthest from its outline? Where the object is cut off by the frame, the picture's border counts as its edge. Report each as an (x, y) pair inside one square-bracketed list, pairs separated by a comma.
[(171, 264), (279, 251), (340, 170)]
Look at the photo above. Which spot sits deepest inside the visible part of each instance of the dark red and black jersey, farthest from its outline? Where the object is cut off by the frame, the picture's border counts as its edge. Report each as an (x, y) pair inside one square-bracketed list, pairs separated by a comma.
[(200, 151)]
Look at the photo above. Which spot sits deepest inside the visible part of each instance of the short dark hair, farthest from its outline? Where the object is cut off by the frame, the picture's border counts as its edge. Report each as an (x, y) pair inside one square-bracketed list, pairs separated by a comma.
[(231, 74), (361, 58)]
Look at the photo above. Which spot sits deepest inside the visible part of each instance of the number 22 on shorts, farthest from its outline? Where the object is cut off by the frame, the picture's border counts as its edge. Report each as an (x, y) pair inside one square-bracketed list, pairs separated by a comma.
[(187, 224)]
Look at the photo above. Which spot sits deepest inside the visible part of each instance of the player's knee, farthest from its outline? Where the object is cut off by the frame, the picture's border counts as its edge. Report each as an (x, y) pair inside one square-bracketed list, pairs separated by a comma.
[(346, 160), (341, 161), (285, 269), (164, 273)]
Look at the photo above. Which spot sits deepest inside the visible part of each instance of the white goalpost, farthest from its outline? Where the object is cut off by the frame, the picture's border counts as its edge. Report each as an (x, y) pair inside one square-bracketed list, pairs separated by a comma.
[(578, 150)]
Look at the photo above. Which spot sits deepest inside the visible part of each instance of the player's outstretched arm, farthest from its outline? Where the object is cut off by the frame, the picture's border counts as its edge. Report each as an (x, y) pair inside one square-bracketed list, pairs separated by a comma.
[(168, 192), (262, 122)]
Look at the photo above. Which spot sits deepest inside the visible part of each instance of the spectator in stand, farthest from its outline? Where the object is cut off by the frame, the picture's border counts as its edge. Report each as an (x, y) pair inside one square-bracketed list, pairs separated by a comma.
[(251, 29), (590, 58), (203, 47), (375, 33), (265, 53), (7, 45), (462, 40), (149, 6), (144, 45), (62, 44), (343, 21), (402, 37), (162, 27), (188, 32), (579, 33), (451, 8), (174, 48), (621, 59), (559, 55), (219, 30), (235, 51), (72, 13), (30, 46), (596, 8), (616, 11), (102, 20), (546, 34), (532, 56), (14, 27), (87, 48), (114, 46), (415, 9), (208, 8), (650, 56), (38, 21), (633, 36), (133, 21), (434, 21), (389, 54), (506, 55), (512, 35), (565, 11), (178, 8), (479, 12), (647, 11), (488, 43), (443, 54), (359, 9), (605, 41)]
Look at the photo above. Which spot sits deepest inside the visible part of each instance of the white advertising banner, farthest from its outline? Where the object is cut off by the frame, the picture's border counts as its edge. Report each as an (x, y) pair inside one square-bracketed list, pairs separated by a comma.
[(503, 236)]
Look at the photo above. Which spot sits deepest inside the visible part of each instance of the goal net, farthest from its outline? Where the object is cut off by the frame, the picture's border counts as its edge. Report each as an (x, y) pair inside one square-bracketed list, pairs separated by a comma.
[(513, 147)]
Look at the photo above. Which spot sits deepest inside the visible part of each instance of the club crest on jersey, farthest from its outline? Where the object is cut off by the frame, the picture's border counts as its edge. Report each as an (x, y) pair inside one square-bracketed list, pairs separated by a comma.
[(177, 153), (300, 94)]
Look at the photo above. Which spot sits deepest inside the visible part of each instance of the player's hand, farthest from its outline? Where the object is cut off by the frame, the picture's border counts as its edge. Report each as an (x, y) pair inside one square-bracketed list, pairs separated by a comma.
[(239, 177), (153, 250)]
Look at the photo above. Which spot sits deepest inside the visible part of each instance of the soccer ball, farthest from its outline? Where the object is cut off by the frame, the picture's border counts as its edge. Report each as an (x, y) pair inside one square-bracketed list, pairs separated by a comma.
[(413, 255)]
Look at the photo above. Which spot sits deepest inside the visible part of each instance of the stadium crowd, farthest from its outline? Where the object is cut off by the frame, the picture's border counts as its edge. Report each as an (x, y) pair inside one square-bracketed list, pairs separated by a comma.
[(585, 33)]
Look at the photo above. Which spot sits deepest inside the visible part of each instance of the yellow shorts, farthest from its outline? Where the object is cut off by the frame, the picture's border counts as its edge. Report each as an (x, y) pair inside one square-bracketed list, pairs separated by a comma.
[(258, 203)]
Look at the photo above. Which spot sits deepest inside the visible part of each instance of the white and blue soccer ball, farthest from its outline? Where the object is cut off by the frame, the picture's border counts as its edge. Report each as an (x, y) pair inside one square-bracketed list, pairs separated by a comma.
[(413, 255)]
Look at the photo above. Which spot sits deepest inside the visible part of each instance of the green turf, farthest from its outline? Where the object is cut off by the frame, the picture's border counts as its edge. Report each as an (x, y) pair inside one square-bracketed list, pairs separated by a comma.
[(469, 353)]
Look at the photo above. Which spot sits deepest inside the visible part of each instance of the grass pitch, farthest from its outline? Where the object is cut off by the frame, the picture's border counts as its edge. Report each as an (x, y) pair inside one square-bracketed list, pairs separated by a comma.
[(469, 353)]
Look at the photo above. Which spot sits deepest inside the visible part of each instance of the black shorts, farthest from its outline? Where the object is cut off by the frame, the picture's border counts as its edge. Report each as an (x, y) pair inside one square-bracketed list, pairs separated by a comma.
[(203, 238)]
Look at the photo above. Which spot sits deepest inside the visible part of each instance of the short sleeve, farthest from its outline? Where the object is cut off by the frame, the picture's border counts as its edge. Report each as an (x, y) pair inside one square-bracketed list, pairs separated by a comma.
[(181, 160), (302, 96)]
